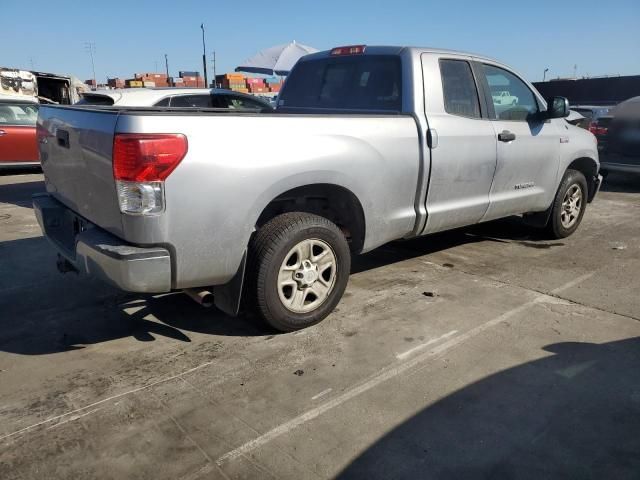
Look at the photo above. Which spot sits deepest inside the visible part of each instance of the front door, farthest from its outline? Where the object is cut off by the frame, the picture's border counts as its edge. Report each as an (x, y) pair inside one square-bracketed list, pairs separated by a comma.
[(527, 146)]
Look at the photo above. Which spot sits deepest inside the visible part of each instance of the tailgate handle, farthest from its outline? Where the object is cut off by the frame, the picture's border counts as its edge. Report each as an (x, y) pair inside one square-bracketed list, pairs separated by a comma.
[(63, 138)]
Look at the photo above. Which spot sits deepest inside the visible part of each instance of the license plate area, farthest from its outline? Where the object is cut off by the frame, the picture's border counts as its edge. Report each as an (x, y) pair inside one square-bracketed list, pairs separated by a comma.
[(62, 226)]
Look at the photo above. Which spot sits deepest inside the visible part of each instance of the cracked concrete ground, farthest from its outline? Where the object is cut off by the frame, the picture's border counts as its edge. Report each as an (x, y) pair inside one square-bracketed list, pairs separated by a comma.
[(484, 352)]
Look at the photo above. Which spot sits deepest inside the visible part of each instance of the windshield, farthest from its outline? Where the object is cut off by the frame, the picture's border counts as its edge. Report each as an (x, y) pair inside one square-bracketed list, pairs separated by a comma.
[(368, 82)]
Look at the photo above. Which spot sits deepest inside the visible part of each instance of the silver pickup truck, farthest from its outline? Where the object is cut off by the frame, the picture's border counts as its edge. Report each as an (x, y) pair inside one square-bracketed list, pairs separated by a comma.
[(367, 145)]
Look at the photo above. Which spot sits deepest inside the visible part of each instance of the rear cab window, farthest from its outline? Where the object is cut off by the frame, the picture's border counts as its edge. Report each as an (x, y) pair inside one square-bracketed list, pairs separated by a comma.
[(92, 99), (371, 83), (459, 89)]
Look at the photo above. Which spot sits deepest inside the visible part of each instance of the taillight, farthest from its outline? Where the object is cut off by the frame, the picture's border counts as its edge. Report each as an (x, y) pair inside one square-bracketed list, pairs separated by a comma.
[(141, 163), (597, 130), (349, 50)]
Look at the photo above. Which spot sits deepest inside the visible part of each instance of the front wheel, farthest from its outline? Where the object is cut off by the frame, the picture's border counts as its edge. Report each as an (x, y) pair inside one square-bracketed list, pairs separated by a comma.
[(300, 265), (569, 205)]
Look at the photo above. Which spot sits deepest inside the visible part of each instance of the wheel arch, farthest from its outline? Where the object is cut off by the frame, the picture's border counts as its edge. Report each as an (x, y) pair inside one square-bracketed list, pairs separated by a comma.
[(589, 168), (335, 202)]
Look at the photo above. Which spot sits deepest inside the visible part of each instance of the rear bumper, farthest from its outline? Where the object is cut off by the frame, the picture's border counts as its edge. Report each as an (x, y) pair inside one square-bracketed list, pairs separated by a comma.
[(95, 252)]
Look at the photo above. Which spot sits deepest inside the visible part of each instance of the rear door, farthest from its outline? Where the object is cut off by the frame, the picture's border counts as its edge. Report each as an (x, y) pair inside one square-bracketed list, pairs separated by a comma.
[(18, 133), (463, 144), (527, 146)]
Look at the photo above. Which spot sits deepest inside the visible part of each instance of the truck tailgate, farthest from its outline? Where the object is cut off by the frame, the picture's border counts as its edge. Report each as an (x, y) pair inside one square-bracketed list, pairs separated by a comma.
[(75, 150)]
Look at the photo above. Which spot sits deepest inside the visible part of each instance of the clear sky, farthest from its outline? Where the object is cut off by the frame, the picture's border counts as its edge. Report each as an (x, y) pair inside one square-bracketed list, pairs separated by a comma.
[(600, 37)]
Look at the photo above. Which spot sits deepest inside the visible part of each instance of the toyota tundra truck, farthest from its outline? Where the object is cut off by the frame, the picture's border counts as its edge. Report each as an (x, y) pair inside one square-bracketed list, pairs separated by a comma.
[(368, 144)]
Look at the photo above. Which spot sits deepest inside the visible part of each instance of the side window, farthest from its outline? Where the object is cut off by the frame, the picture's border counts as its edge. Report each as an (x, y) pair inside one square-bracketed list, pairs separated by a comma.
[(191, 101), (459, 88), (241, 102), (219, 101), (18, 114), (512, 98), (163, 103)]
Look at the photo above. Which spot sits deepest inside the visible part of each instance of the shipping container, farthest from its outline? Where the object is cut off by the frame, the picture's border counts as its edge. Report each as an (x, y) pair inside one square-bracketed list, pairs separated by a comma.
[(188, 74), (148, 84)]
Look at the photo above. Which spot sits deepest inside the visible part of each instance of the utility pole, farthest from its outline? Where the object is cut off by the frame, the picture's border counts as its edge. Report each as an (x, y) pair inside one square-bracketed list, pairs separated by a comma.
[(166, 65), (91, 48), (215, 81), (544, 75), (204, 57), (575, 71)]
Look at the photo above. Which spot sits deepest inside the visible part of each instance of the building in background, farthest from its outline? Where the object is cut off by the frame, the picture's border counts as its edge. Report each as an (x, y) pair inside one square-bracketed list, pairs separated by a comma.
[(592, 91)]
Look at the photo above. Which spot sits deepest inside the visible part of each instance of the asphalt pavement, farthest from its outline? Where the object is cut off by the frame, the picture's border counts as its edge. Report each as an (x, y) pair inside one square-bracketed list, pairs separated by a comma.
[(487, 352)]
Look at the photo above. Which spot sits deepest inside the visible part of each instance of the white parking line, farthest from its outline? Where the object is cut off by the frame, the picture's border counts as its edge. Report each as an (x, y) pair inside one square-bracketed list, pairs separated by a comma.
[(100, 402), (382, 376), (321, 394), (403, 355)]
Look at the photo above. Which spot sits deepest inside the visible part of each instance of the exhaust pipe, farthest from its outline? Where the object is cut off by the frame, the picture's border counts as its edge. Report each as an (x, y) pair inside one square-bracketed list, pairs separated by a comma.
[(200, 295)]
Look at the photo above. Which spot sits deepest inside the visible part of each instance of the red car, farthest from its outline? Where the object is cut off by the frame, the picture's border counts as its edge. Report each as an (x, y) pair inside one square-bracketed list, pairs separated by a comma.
[(18, 146)]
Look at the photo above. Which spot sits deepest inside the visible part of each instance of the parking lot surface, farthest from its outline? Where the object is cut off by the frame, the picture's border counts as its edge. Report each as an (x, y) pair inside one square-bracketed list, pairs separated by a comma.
[(483, 352)]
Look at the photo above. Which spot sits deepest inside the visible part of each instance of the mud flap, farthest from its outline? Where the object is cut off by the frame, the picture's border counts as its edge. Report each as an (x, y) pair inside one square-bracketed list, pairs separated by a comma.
[(227, 297), (538, 219)]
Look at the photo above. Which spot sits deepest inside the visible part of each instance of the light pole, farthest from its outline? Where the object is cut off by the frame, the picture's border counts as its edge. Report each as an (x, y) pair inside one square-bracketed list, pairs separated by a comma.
[(204, 57), (215, 81), (544, 75), (91, 48)]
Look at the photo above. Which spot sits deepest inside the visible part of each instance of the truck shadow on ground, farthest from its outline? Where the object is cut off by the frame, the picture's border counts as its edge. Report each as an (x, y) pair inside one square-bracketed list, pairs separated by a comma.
[(44, 312), (19, 194), (573, 414)]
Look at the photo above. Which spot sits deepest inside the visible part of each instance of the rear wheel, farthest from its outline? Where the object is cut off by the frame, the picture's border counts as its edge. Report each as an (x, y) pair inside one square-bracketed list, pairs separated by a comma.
[(569, 205), (300, 265)]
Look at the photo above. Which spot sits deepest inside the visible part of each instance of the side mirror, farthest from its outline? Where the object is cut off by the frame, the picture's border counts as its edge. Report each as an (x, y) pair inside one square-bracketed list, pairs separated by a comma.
[(557, 107)]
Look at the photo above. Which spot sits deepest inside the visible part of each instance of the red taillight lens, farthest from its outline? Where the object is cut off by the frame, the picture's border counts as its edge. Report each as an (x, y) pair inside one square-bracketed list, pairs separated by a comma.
[(597, 130), (146, 157), (349, 50)]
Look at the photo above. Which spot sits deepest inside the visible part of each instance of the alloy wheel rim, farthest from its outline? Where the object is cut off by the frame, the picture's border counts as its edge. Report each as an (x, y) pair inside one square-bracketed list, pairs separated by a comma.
[(571, 206), (307, 275)]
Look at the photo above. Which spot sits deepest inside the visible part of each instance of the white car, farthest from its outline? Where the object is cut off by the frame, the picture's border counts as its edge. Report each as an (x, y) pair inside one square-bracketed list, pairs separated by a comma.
[(504, 98), (175, 97)]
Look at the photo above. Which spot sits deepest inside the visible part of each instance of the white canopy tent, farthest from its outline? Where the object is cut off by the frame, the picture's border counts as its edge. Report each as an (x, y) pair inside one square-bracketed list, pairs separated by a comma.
[(278, 60)]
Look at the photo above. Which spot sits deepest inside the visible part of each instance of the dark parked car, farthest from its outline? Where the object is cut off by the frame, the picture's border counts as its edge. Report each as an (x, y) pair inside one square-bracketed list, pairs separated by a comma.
[(622, 151)]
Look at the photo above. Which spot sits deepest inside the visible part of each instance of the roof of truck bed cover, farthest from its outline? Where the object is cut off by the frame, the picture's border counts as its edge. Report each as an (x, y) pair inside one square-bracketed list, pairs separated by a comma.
[(397, 50)]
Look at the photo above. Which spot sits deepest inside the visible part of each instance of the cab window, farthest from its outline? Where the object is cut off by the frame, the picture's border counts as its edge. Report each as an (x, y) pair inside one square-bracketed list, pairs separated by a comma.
[(512, 98), (459, 89)]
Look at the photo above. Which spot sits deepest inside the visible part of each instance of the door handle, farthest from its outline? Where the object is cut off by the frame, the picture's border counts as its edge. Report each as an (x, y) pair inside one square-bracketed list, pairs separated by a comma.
[(506, 136), (2, 133)]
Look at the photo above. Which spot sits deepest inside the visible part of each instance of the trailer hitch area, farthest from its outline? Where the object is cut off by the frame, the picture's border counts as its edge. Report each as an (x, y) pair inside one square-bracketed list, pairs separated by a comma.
[(65, 266)]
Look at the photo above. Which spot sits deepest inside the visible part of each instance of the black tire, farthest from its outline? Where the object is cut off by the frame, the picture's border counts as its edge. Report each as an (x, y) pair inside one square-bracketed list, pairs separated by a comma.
[(271, 243), (571, 180)]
